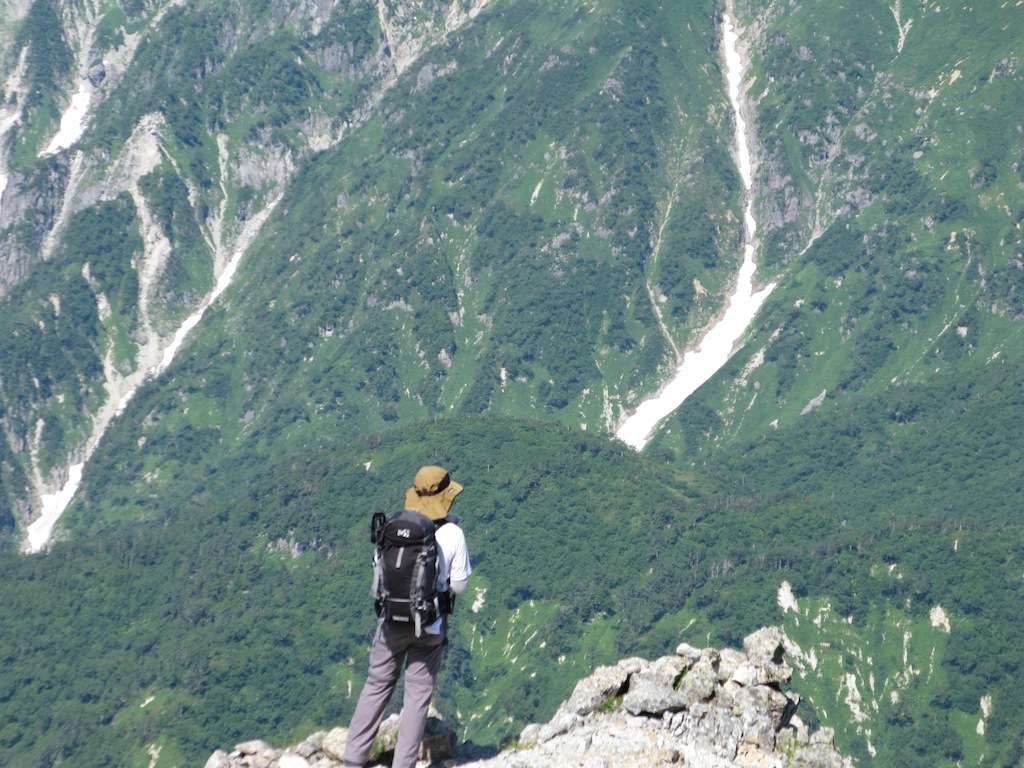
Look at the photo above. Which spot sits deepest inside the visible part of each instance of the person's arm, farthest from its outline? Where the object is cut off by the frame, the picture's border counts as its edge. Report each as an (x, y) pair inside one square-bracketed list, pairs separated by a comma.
[(459, 570)]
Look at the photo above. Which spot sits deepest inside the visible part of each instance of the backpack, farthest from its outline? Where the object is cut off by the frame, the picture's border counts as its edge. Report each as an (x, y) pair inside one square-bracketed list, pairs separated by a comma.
[(405, 569)]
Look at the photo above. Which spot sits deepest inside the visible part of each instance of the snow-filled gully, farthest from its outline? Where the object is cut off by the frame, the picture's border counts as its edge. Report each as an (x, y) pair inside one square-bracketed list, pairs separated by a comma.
[(716, 347)]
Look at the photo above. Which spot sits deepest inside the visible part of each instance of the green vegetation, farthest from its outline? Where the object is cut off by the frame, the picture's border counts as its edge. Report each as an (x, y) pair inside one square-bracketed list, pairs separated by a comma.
[(186, 274), (461, 269), (380, 275), (49, 62), (241, 610), (55, 335)]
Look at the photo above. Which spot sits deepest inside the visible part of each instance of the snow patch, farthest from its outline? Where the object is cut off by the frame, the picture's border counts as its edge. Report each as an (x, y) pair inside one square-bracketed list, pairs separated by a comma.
[(853, 698), (786, 598), (901, 28), (53, 506), (253, 225), (72, 122), (939, 618), (812, 658), (478, 601), (794, 651)]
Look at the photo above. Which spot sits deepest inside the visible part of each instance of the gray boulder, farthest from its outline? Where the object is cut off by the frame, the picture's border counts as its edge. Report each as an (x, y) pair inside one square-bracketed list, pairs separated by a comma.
[(702, 708), (96, 75)]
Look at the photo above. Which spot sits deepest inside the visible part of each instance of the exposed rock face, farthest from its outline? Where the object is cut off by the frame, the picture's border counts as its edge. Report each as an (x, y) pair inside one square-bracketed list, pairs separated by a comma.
[(327, 749), (702, 708), (96, 75), (411, 26)]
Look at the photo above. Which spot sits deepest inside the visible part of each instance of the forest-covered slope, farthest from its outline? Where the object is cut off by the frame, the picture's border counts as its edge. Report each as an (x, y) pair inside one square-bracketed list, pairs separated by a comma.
[(891, 197), (461, 218), (476, 233), (242, 611)]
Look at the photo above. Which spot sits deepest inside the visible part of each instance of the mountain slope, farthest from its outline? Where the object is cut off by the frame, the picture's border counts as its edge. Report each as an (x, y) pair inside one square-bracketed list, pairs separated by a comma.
[(241, 609), (892, 202), (430, 211), (594, 140)]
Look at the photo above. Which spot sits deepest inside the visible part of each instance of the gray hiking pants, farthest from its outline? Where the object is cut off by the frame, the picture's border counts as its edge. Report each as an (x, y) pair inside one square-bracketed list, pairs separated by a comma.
[(394, 645)]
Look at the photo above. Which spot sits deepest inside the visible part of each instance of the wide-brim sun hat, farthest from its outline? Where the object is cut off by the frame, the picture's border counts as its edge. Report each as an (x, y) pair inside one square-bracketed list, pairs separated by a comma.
[(432, 492)]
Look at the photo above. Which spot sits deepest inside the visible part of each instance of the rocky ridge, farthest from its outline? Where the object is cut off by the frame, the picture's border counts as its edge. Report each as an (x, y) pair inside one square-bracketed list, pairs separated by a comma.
[(703, 708)]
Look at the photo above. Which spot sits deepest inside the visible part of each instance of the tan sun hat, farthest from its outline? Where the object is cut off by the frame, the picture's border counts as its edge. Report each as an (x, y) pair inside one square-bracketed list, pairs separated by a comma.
[(432, 492)]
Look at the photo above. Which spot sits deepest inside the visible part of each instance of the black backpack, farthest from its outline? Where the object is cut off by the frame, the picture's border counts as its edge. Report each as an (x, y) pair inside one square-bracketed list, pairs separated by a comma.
[(405, 569)]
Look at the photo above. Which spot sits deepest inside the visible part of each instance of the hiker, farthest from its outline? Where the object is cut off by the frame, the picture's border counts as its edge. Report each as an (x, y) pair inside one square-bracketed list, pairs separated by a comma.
[(399, 640)]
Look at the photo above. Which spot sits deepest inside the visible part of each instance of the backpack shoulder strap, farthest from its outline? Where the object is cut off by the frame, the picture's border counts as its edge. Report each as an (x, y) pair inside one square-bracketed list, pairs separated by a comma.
[(377, 521)]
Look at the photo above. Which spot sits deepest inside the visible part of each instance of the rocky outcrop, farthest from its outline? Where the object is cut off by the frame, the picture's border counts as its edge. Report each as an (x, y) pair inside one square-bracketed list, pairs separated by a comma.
[(412, 26), (701, 708)]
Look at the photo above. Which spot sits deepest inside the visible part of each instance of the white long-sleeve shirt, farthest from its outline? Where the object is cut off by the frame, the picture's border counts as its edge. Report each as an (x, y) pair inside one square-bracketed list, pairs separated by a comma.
[(453, 566)]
